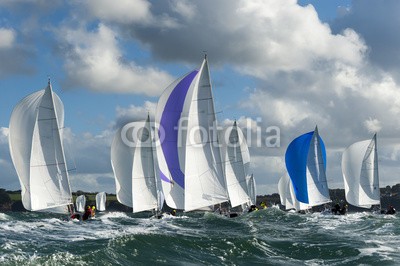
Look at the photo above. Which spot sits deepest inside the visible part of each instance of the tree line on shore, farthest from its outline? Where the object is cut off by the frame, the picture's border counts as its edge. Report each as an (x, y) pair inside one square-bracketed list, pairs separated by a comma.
[(11, 200)]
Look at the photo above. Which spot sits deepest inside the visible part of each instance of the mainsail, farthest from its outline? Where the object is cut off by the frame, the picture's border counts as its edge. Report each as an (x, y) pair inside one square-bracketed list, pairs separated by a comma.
[(36, 149), (236, 158), (133, 165), (80, 203), (188, 152), (305, 160), (360, 173), (101, 198)]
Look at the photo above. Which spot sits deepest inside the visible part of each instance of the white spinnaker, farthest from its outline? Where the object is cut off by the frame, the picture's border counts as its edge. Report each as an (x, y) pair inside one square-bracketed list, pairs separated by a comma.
[(282, 184), (360, 174), (101, 198), (133, 164), (144, 188), (37, 152), (122, 164), (80, 203), (251, 189), (294, 202), (287, 195), (317, 186), (204, 179), (232, 147)]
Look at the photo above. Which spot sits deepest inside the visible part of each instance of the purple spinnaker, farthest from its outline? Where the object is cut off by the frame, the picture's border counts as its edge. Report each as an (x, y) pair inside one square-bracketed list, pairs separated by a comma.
[(169, 122)]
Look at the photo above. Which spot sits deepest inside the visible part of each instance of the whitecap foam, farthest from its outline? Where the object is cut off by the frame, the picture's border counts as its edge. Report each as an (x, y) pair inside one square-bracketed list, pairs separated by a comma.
[(4, 217), (109, 215)]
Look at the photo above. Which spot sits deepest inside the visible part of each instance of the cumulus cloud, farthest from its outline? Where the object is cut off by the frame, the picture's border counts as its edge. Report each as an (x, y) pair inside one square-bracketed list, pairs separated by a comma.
[(376, 22), (134, 113), (88, 153), (372, 125), (15, 54), (341, 77), (7, 38), (4, 135), (94, 60), (267, 171), (125, 11), (258, 37), (8, 176), (93, 182)]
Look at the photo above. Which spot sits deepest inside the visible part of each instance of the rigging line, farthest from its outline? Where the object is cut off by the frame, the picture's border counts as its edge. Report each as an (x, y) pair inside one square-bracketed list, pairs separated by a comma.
[(51, 164), (202, 99), (201, 112), (47, 108), (46, 119)]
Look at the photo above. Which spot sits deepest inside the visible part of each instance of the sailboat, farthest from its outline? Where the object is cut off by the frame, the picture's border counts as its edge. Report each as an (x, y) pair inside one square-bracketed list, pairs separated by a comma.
[(360, 174), (287, 195), (36, 147), (188, 152), (80, 203), (236, 158), (133, 167), (101, 198), (305, 160)]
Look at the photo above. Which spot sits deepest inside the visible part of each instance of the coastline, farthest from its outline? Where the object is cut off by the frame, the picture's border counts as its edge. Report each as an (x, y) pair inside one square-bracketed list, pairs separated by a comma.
[(10, 201)]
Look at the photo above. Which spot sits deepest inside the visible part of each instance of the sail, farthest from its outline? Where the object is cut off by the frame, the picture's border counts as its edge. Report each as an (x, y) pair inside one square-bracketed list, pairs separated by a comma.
[(188, 155), (101, 201), (360, 173), (205, 182), (36, 150), (287, 195), (144, 188), (305, 160), (282, 191), (80, 203), (251, 189), (122, 162), (236, 165), (133, 165), (169, 148)]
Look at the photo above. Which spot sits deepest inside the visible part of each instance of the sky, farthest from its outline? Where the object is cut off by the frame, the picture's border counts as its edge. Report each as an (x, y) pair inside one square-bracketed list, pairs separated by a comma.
[(281, 65)]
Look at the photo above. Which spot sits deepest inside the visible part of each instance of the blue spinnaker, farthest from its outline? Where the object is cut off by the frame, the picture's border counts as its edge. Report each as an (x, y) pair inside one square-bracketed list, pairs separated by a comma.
[(296, 163)]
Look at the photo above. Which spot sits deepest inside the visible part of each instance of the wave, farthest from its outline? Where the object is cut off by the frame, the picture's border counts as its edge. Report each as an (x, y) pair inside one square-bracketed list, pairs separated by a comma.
[(268, 236)]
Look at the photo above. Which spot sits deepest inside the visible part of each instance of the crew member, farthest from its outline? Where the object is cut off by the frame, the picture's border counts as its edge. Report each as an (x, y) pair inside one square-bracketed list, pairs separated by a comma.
[(263, 205), (391, 210), (87, 214)]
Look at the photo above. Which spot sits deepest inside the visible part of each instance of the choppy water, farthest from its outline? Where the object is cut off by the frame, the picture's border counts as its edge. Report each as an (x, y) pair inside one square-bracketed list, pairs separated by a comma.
[(268, 237)]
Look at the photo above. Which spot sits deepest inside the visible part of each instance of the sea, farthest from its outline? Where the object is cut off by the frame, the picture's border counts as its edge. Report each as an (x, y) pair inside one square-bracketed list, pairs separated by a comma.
[(265, 237)]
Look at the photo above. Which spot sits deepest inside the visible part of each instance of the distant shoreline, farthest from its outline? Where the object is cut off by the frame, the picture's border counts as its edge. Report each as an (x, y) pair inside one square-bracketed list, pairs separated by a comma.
[(11, 200)]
